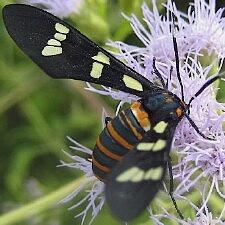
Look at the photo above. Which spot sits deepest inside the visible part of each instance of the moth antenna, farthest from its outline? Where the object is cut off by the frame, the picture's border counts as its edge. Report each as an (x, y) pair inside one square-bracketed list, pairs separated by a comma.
[(177, 60), (157, 73), (196, 128), (204, 86)]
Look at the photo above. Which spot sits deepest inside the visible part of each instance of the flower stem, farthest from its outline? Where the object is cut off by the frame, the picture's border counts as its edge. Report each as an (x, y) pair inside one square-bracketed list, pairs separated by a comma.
[(41, 204)]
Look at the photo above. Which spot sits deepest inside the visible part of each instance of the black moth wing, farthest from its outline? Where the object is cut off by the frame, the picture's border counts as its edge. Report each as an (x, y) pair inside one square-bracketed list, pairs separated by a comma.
[(63, 52), (137, 178)]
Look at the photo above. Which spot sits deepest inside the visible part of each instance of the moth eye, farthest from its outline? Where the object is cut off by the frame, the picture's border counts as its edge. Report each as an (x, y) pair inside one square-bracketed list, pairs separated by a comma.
[(179, 112)]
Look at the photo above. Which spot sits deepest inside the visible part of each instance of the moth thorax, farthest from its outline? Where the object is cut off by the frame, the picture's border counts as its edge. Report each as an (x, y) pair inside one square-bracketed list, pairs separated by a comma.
[(141, 115)]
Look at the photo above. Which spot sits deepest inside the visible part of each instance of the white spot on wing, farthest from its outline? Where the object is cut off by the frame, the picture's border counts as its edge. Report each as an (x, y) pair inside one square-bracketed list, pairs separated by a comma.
[(60, 37), (101, 57), (52, 45), (54, 42), (96, 71), (135, 174), (154, 173), (145, 146), (159, 145), (61, 28), (51, 50), (160, 127), (138, 177), (130, 82), (128, 174)]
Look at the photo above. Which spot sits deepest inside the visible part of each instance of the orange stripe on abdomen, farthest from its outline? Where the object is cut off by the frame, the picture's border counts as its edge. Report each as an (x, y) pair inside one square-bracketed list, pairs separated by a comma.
[(107, 152), (120, 140), (100, 166), (131, 127)]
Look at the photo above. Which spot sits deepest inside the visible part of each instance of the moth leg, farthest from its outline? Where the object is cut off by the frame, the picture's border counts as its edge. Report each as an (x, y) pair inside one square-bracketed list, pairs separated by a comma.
[(157, 73), (171, 188), (107, 119)]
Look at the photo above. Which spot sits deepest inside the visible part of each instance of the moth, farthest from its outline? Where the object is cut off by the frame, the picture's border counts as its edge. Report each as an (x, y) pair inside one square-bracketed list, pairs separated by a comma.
[(131, 155)]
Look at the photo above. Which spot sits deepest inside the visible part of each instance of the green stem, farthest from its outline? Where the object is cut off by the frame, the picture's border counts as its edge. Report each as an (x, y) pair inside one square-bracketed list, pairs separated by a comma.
[(41, 204)]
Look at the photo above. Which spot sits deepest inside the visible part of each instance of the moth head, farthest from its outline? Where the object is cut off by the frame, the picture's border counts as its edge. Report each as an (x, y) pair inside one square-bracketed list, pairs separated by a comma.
[(164, 106)]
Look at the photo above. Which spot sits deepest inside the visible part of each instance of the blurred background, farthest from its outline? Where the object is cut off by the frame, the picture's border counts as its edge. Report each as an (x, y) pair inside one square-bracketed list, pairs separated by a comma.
[(35, 117)]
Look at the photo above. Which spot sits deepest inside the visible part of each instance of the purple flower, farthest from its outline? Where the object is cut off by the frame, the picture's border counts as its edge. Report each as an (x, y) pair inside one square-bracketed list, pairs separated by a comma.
[(59, 8), (204, 217), (206, 27), (201, 162), (196, 154), (94, 199)]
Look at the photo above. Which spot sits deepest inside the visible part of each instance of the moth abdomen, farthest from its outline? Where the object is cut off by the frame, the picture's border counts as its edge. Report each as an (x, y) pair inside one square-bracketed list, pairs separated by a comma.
[(119, 136)]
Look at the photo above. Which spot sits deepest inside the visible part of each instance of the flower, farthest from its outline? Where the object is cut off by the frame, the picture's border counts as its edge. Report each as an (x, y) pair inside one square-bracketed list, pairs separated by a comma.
[(94, 199), (206, 25), (203, 217), (59, 8), (201, 162), (192, 38), (196, 154)]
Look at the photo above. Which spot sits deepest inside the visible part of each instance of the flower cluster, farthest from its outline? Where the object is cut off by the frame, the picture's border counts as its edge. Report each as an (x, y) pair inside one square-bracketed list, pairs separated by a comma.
[(60, 9), (94, 200), (200, 36), (202, 218)]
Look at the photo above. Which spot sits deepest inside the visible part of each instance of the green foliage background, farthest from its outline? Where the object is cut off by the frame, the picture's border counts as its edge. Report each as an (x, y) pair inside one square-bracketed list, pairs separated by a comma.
[(35, 118)]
